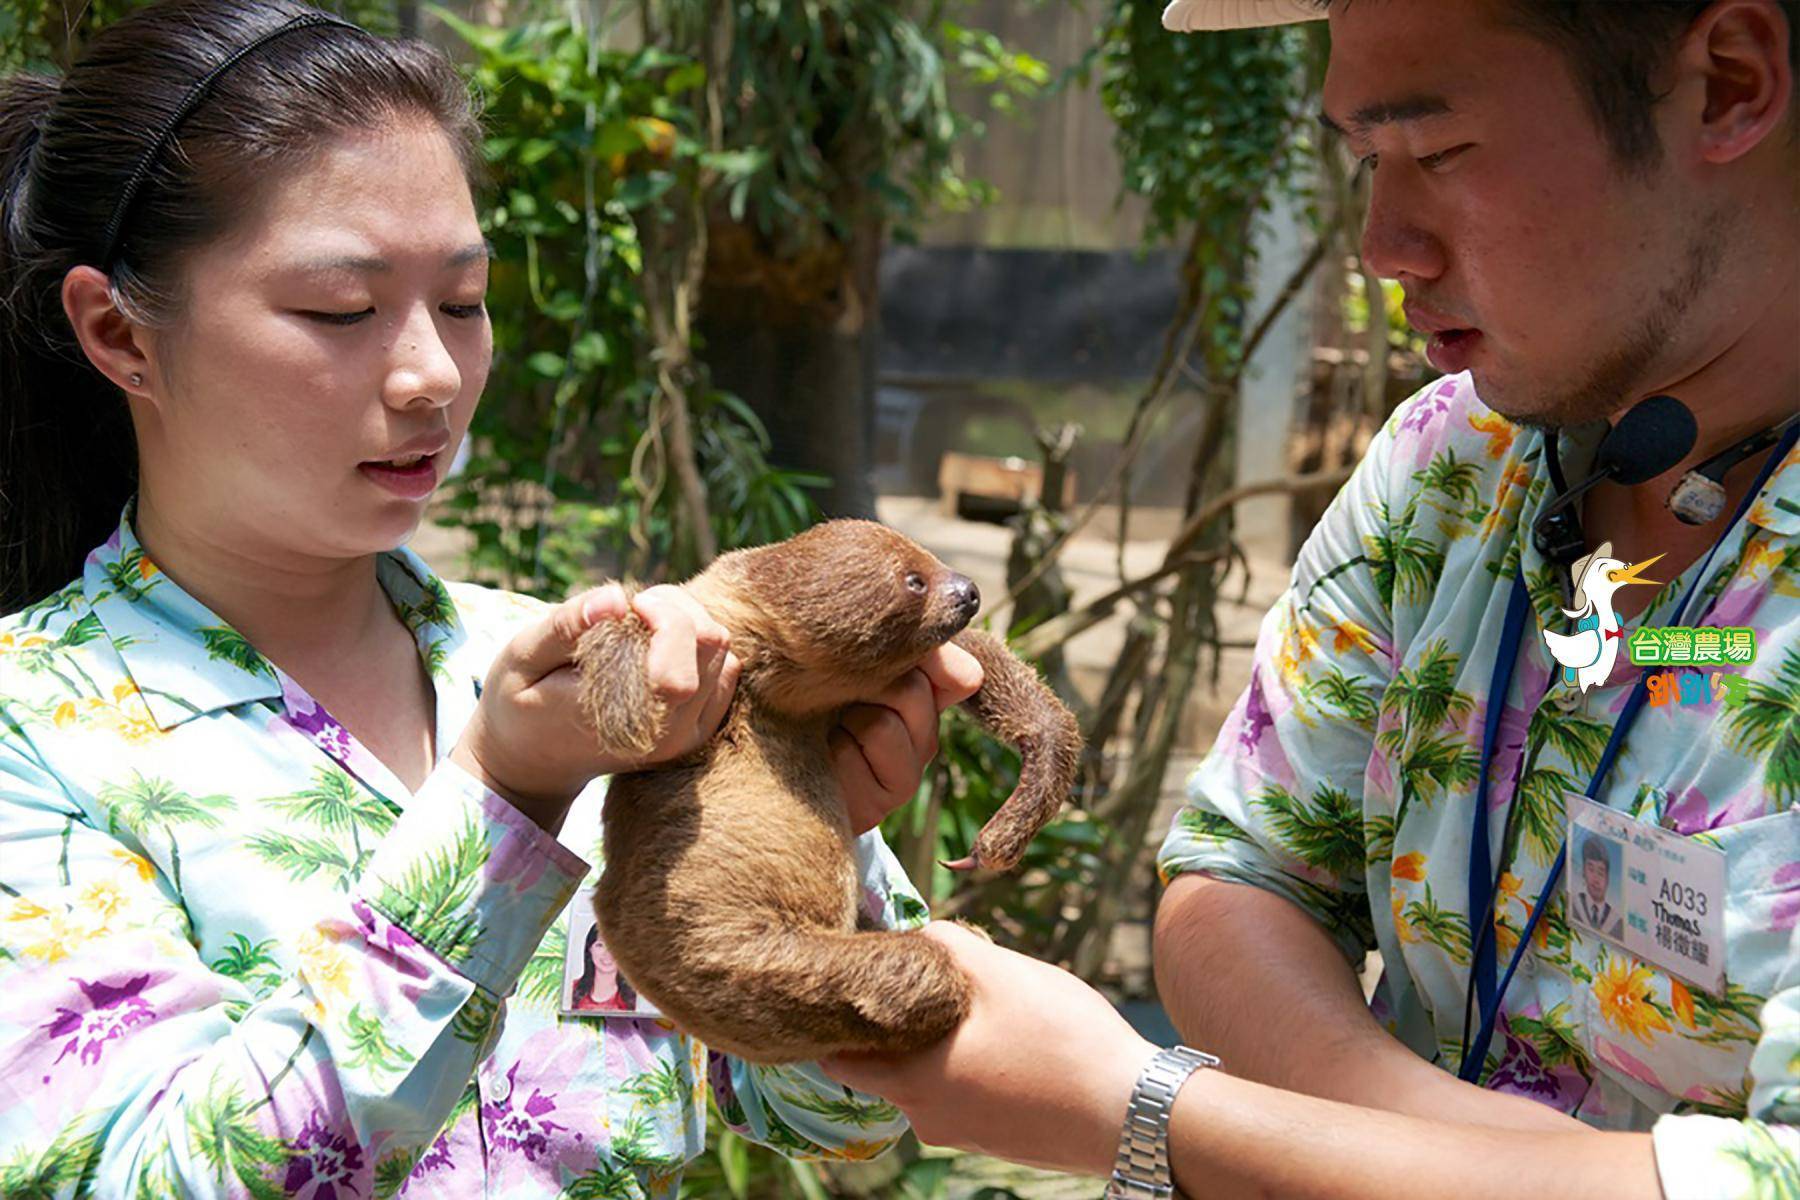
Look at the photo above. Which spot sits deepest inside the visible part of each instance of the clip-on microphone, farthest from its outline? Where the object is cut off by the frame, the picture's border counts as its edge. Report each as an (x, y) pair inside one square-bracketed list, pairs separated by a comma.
[(1655, 435)]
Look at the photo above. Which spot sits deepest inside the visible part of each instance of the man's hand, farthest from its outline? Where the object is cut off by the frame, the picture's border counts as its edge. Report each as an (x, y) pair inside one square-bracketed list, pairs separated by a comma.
[(880, 750), (1040, 1072)]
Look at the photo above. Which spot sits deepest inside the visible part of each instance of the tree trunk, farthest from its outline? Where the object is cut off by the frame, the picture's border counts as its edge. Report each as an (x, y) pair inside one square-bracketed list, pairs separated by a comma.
[(796, 338)]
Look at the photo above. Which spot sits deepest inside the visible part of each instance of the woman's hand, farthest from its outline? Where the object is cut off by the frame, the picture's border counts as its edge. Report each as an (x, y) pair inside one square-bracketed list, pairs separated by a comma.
[(528, 739), (1040, 1072), (880, 749)]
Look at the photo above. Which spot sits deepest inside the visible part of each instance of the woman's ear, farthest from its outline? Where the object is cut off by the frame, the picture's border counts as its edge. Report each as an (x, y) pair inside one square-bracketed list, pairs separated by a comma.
[(112, 341)]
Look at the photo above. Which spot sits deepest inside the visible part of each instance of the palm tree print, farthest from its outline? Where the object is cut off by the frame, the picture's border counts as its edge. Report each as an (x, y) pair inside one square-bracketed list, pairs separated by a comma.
[(337, 804), (431, 901), (1458, 482), (846, 1109), (223, 1131), (1425, 694), (1325, 833), (146, 804), (475, 1019), (1352, 698), (65, 1167), (660, 1085), (369, 1046), (1770, 1171), (1404, 566), (303, 857), (254, 966), (1442, 927), (540, 983), (1767, 722), (225, 644)]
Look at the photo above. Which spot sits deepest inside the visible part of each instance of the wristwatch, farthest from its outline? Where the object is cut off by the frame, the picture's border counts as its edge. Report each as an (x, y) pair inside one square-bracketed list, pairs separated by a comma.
[(1141, 1172)]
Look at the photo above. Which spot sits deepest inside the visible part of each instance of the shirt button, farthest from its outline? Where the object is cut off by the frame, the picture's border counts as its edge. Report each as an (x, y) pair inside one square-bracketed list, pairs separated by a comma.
[(1569, 699)]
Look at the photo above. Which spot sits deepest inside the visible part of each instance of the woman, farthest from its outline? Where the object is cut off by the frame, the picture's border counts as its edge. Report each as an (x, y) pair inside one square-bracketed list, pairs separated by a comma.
[(601, 988), (284, 818)]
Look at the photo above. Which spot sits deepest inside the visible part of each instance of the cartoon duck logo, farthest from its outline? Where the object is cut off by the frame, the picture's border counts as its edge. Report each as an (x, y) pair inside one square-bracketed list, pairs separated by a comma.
[(1588, 654)]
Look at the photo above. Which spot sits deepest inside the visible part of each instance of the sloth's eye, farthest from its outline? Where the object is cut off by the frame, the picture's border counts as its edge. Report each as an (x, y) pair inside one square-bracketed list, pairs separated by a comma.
[(915, 583)]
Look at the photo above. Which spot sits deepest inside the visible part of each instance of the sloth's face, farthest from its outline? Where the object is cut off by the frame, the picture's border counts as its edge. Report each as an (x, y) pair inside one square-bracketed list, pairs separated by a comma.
[(852, 604)]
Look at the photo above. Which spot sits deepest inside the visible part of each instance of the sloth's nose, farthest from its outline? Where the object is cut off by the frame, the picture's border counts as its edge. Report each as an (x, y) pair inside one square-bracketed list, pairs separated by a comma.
[(963, 593)]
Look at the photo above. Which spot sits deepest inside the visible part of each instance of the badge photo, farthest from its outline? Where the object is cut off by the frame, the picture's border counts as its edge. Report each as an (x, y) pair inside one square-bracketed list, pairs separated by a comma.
[(592, 983)]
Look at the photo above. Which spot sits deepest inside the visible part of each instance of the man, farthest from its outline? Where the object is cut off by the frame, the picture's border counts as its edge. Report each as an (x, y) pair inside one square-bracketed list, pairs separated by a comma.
[(1593, 907), (1587, 204)]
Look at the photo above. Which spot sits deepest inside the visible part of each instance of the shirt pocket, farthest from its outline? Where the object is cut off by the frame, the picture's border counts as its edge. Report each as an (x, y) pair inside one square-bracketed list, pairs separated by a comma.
[(1669, 1042)]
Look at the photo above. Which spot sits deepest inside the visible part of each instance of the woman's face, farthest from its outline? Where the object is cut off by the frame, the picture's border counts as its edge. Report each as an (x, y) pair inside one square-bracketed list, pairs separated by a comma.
[(338, 333), (602, 958)]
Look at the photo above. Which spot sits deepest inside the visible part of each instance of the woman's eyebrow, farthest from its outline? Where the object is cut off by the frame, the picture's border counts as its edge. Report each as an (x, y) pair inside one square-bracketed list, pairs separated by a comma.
[(473, 252)]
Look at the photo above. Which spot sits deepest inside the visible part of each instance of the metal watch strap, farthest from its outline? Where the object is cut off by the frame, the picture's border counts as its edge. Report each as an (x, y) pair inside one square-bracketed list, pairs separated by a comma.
[(1141, 1172)]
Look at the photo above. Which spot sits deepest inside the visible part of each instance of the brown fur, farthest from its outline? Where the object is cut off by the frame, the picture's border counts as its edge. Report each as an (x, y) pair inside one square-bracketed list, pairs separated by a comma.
[(729, 895)]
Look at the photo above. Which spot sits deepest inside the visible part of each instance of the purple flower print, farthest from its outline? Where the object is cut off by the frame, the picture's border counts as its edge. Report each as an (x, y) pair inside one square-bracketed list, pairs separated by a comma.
[(1257, 718), (112, 1012), (1522, 1073), (1785, 912), (435, 1159), (323, 1160), (318, 725), (395, 943), (521, 1128), (1691, 811), (1430, 410)]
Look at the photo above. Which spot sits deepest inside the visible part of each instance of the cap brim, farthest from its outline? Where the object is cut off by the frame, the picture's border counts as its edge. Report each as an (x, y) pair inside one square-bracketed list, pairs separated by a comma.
[(1192, 16)]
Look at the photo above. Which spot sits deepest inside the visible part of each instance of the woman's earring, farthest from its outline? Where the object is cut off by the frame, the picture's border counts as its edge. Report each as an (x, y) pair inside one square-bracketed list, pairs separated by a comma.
[(137, 380)]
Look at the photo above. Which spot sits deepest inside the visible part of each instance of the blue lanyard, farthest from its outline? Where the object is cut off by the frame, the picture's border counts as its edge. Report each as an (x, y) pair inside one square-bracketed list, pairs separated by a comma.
[(1482, 884)]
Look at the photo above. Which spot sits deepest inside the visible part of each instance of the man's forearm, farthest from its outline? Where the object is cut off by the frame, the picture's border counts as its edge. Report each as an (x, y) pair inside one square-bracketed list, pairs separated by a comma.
[(1248, 976), (1231, 1138)]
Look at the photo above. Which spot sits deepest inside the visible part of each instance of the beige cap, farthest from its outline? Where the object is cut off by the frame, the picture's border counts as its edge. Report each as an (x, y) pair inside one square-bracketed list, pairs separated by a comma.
[(1192, 16)]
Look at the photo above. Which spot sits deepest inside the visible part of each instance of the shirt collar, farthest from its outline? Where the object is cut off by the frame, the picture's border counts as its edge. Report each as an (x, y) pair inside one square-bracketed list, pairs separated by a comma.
[(187, 662), (1777, 509)]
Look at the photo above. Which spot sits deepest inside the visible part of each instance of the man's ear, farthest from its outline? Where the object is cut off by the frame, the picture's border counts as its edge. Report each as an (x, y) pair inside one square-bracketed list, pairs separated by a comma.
[(1734, 62), (111, 340)]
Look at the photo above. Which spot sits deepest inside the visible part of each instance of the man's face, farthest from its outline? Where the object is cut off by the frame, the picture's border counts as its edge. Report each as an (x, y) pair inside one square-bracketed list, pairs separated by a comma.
[(1593, 873), (1529, 255)]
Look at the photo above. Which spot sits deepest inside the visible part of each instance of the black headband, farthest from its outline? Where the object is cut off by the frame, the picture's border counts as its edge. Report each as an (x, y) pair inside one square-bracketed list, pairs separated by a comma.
[(135, 182)]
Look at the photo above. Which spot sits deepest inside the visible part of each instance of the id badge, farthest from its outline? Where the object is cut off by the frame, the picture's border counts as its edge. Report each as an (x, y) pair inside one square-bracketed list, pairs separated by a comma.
[(592, 985), (1658, 895)]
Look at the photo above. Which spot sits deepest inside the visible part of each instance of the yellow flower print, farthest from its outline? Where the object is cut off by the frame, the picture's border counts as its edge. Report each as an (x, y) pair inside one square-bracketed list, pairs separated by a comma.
[(1402, 926), (1410, 867), (64, 716), (26, 910), (857, 1150), (1300, 645), (323, 964), (1505, 938), (146, 568), (56, 936), (101, 900), (1508, 498), (1682, 1002), (145, 869), (1761, 552), (1500, 432), (1351, 635), (1509, 888), (1623, 990)]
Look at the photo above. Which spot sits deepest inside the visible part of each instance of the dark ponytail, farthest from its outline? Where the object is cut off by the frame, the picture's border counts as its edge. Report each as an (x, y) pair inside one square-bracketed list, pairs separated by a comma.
[(68, 456)]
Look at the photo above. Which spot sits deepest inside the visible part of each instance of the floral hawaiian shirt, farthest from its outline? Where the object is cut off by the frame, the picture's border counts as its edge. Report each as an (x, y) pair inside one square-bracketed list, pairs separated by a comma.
[(1345, 780), (238, 958)]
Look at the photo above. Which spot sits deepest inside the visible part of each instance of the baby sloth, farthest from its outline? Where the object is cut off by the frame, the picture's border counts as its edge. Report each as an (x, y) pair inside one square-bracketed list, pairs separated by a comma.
[(730, 896)]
